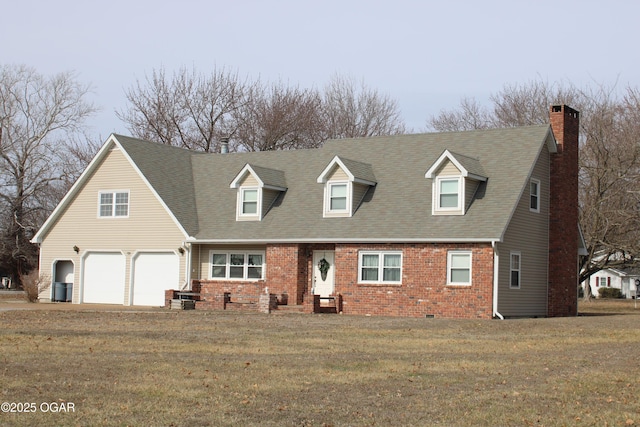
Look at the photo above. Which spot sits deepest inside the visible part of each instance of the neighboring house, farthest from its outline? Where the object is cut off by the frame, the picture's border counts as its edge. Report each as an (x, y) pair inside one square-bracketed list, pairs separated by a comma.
[(627, 280), (474, 224)]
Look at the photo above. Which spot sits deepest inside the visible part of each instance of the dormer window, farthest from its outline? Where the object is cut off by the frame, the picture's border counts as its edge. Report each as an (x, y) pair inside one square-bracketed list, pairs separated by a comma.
[(456, 179), (258, 189), (448, 193), (250, 202), (346, 182), (338, 192)]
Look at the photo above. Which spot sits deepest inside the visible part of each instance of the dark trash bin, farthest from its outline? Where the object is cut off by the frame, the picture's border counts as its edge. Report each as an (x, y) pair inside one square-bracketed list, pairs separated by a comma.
[(59, 292), (69, 293)]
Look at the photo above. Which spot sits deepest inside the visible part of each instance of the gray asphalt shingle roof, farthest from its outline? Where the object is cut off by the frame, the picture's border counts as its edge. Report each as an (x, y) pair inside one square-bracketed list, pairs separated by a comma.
[(195, 187)]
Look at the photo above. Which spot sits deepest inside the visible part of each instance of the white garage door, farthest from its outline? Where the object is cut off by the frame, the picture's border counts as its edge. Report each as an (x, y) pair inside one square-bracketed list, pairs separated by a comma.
[(104, 278), (154, 273)]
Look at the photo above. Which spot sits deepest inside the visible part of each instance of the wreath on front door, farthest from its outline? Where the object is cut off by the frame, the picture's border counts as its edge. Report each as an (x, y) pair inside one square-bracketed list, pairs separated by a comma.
[(323, 266)]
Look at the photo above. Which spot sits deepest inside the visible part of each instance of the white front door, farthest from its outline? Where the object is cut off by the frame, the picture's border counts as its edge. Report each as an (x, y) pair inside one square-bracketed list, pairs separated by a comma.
[(323, 272)]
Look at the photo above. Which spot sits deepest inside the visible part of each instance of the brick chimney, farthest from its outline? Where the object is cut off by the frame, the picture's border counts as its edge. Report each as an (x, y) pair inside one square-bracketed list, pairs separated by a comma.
[(563, 214)]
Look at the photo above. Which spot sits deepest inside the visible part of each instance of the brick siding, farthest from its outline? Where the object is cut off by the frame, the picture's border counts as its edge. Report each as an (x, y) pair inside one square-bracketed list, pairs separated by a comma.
[(563, 222), (423, 291)]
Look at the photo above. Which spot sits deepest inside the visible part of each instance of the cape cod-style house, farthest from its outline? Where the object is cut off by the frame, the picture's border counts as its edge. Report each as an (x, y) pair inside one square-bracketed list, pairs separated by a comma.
[(476, 224)]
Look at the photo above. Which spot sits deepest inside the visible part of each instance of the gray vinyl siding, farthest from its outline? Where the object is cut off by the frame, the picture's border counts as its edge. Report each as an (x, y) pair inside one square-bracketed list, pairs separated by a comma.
[(268, 198), (470, 188), (528, 234), (149, 227), (359, 191)]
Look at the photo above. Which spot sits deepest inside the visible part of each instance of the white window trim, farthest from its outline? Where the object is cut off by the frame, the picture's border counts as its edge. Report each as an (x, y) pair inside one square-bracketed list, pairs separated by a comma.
[(240, 215), (113, 206), (537, 182), (449, 256), (511, 269), (437, 209), (245, 266), (328, 212), (381, 255)]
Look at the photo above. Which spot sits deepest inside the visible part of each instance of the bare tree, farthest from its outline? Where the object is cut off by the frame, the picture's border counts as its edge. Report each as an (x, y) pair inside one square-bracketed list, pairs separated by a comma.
[(610, 180), (609, 177), (353, 110), (279, 118), (470, 115), (37, 116), (515, 105), (189, 110)]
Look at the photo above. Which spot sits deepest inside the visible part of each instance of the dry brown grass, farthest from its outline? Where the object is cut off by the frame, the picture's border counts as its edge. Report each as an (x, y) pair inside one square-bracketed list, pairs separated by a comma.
[(161, 367)]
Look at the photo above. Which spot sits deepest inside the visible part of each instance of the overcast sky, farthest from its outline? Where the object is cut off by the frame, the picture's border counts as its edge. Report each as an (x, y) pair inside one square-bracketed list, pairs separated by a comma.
[(425, 54)]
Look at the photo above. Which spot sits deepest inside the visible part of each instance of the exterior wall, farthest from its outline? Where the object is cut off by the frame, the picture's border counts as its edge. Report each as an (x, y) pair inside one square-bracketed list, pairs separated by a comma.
[(285, 275), (447, 169), (148, 228), (359, 191), (337, 174), (423, 291), (470, 189), (249, 181), (563, 227), (528, 233), (268, 197)]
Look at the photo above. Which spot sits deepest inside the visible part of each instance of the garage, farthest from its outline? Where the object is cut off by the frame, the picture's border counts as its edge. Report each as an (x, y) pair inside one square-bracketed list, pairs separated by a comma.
[(104, 278), (153, 274)]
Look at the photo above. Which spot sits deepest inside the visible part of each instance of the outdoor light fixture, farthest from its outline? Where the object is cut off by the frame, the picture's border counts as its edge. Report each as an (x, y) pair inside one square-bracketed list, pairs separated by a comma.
[(181, 250), (76, 248)]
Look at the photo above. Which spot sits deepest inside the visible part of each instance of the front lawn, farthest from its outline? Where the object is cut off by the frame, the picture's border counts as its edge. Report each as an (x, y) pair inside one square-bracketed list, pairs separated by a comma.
[(195, 368)]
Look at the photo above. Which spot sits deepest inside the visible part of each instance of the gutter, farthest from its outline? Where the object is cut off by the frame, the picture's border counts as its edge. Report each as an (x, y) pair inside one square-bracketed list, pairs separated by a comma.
[(496, 265), (195, 241)]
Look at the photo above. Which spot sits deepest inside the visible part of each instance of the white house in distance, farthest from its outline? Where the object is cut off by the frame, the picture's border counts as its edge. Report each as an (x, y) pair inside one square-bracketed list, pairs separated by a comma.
[(627, 280)]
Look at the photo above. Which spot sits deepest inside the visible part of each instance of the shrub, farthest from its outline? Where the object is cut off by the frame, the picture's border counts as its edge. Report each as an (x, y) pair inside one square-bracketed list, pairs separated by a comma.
[(32, 283), (610, 293)]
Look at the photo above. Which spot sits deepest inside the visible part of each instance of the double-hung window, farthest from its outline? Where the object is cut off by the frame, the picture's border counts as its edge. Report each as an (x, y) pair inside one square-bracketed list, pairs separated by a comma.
[(114, 204), (534, 195), (514, 280), (338, 197), (448, 194), (249, 201), (459, 268), (237, 265), (380, 267)]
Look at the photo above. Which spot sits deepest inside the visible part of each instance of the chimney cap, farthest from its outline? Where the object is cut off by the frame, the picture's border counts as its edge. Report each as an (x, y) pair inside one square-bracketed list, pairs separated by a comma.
[(566, 109), (224, 145)]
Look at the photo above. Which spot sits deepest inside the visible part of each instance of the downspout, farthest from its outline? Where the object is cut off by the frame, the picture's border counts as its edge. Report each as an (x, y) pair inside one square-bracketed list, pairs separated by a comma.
[(187, 267), (496, 264)]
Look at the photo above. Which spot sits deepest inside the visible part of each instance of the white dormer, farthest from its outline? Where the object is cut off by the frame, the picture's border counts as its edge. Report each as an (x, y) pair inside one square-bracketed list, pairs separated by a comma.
[(258, 188), (455, 180), (345, 184)]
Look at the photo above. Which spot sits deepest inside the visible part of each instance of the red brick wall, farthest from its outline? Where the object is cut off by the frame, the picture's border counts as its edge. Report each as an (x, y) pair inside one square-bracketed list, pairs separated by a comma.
[(211, 291), (423, 291), (563, 221), (287, 272)]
